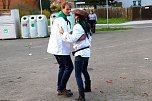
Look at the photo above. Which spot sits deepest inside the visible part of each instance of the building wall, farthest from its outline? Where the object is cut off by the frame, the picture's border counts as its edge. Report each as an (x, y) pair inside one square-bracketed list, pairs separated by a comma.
[(128, 3), (146, 2)]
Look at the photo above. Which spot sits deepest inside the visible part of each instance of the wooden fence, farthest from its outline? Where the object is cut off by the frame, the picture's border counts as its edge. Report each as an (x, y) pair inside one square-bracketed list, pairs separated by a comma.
[(132, 13)]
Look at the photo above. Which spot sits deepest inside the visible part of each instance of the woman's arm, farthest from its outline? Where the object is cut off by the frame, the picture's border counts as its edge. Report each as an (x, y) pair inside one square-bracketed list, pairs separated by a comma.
[(77, 34), (83, 37)]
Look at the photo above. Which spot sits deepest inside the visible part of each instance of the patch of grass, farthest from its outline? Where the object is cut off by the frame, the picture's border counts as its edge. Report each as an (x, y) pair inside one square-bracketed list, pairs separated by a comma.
[(112, 20), (113, 28), (48, 21)]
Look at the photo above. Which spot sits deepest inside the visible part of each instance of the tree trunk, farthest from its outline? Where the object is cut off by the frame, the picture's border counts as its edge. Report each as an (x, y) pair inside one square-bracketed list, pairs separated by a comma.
[(4, 4), (9, 2)]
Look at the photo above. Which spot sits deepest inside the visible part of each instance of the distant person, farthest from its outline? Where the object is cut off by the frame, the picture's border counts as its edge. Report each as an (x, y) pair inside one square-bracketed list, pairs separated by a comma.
[(81, 30), (92, 21), (61, 49)]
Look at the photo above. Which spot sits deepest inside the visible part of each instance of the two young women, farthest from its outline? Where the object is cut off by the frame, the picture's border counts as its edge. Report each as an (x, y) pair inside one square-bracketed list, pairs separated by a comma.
[(81, 39)]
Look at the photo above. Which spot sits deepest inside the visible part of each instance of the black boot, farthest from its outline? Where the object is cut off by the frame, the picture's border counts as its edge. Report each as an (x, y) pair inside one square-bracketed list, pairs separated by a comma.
[(81, 95), (87, 86)]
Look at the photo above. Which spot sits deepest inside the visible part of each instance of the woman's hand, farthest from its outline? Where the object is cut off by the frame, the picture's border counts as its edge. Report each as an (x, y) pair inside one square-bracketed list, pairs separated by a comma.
[(61, 30)]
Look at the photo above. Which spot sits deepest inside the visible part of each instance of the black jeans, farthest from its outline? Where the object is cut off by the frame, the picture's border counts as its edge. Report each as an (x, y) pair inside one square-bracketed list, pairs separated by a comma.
[(65, 70), (81, 65), (93, 28), (93, 25)]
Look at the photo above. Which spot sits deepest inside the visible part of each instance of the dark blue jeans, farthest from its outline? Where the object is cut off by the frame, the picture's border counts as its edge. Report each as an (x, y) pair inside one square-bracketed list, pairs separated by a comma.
[(65, 70), (81, 65)]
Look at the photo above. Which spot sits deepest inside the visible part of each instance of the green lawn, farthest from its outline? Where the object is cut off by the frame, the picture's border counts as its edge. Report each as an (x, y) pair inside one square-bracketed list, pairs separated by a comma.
[(104, 21), (111, 20), (113, 28)]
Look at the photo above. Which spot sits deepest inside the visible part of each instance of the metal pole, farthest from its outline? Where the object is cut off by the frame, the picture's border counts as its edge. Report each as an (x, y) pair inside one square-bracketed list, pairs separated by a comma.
[(41, 6), (107, 14)]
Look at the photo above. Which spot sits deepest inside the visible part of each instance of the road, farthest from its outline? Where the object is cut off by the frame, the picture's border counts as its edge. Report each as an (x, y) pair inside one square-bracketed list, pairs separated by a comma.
[(120, 68)]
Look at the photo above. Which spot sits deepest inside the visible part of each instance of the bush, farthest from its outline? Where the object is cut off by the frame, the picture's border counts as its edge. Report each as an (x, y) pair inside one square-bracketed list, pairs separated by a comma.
[(26, 9), (53, 8), (46, 13)]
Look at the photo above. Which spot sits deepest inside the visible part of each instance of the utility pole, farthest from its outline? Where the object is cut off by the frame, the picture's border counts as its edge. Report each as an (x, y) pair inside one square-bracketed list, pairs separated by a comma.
[(41, 6), (107, 14)]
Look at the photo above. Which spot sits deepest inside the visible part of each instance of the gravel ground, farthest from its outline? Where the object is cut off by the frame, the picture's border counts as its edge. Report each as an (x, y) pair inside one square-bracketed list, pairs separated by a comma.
[(120, 68)]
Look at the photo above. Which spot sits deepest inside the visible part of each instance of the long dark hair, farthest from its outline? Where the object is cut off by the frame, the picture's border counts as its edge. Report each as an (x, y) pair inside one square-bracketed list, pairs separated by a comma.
[(86, 26)]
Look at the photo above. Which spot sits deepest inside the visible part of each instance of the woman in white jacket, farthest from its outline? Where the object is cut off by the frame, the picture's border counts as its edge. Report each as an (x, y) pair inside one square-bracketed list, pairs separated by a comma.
[(82, 50)]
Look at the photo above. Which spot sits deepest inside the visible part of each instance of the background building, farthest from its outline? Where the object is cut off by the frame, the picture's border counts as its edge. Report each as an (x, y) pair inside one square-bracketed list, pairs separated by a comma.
[(129, 3)]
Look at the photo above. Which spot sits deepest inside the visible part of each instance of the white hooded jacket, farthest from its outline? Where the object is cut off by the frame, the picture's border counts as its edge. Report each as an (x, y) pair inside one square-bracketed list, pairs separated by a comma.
[(78, 31), (57, 45)]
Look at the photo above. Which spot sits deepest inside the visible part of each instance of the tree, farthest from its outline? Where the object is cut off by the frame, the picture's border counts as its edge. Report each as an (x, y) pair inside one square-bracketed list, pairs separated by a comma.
[(55, 6), (6, 4), (113, 2), (27, 7), (45, 4), (33, 3), (9, 2)]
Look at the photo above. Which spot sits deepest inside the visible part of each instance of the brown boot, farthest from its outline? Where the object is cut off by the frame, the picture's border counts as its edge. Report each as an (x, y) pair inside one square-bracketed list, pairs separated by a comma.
[(66, 93)]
